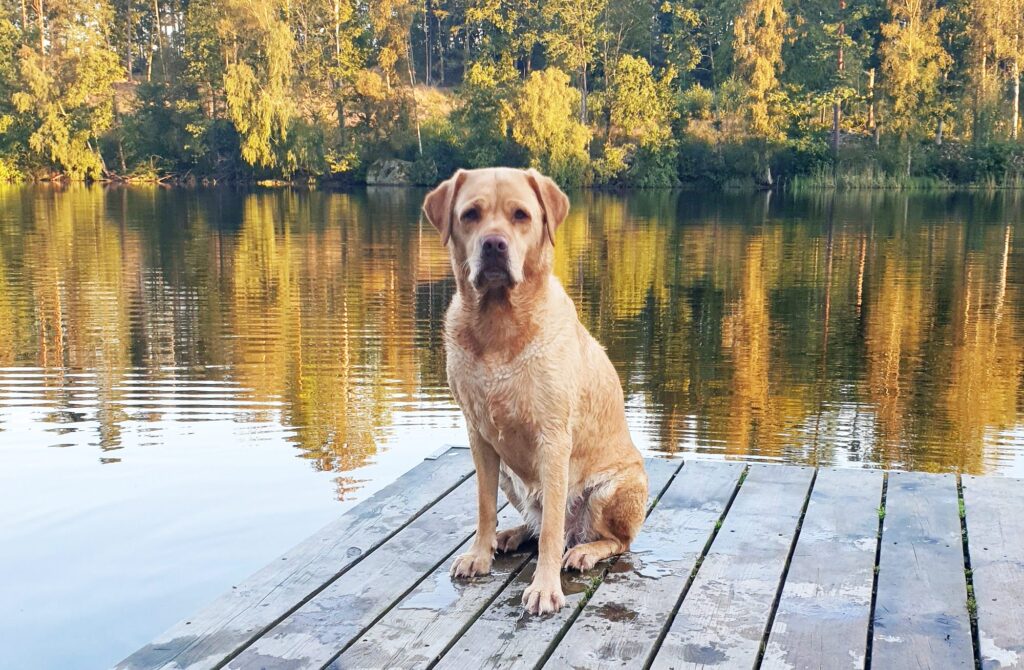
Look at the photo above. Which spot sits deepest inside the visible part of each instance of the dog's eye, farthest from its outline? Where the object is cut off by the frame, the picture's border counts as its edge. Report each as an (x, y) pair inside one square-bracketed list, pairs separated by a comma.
[(520, 215), (470, 215)]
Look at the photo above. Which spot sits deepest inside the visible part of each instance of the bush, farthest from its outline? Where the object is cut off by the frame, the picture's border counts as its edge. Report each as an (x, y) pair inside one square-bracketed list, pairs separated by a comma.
[(611, 167), (160, 132), (303, 150), (802, 157), (223, 157), (441, 147), (991, 164), (9, 170), (654, 167), (701, 163), (697, 102), (424, 171)]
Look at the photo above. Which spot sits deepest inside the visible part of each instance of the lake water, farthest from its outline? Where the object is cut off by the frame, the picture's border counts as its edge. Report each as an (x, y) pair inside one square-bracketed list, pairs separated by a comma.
[(193, 381)]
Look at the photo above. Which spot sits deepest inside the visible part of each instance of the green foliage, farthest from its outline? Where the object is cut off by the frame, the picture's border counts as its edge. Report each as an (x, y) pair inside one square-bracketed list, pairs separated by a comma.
[(760, 30), (544, 123), (485, 113), (164, 131), (302, 153), (654, 167), (642, 107), (203, 49), (574, 31), (389, 21), (381, 119), (682, 37), (642, 111), (706, 164), (64, 95), (257, 79), (913, 62), (697, 103), (12, 137), (424, 172), (610, 169), (573, 36), (618, 92)]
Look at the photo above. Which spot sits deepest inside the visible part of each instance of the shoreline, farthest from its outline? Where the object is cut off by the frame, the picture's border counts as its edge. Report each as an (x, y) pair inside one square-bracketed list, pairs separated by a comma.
[(330, 185)]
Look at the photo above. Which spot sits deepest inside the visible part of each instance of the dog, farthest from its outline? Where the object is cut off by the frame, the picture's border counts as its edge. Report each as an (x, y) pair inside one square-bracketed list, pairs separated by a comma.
[(542, 401)]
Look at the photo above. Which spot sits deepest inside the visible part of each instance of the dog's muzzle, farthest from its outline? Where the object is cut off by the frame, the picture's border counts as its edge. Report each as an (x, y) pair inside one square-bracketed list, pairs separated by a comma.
[(494, 263)]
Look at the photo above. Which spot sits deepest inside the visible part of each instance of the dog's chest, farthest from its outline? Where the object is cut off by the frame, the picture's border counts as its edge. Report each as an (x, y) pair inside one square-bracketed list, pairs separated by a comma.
[(498, 399)]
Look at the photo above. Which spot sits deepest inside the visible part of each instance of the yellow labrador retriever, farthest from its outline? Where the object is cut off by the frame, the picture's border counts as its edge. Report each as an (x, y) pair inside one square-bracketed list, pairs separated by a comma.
[(542, 401)]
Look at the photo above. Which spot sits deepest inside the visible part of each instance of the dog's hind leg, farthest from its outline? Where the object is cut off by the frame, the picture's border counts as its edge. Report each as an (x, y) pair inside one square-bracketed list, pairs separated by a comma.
[(510, 539), (617, 513)]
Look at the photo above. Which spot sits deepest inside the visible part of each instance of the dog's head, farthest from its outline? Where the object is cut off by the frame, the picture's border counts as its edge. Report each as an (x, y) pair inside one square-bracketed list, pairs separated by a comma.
[(499, 225)]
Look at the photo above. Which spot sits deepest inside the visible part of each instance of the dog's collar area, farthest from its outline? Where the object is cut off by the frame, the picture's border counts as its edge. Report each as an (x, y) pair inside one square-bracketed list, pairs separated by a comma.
[(499, 373)]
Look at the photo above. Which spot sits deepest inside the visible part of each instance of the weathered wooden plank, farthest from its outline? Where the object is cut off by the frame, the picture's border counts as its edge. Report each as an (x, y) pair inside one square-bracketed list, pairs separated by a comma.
[(619, 625), (504, 636), (921, 618), (417, 630), (234, 619), (994, 508), (723, 618), (312, 635), (825, 609)]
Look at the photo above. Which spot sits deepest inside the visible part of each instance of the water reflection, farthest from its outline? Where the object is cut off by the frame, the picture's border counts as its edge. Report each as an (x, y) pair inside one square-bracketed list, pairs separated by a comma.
[(867, 328)]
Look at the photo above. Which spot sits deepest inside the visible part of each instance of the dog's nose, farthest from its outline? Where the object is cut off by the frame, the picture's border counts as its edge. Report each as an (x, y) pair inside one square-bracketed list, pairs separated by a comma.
[(495, 246)]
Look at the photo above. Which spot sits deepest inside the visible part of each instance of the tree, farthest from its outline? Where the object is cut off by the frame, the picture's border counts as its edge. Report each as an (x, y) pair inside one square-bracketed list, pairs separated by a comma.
[(491, 24), (257, 79), (383, 121), (9, 142), (641, 106), (390, 21), (1016, 57), (273, 88), (642, 113), (913, 63), (981, 20), (205, 53), (1008, 42), (65, 90), (757, 51), (330, 49), (681, 37), (527, 32), (486, 110), (544, 123), (828, 53), (573, 36), (624, 28)]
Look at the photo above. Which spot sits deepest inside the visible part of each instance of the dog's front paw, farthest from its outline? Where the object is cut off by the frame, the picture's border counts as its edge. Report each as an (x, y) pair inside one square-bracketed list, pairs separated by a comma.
[(543, 597), (471, 564)]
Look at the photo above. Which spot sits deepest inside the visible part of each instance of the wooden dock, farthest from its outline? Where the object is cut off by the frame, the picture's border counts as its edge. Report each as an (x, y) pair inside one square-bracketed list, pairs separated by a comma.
[(738, 566)]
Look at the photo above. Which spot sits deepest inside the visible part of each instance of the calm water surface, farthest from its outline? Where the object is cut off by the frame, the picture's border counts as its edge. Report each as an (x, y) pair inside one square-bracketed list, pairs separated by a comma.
[(193, 381)]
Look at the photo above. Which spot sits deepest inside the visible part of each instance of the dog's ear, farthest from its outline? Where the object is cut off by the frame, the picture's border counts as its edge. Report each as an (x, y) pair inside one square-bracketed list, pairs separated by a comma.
[(554, 202), (437, 206)]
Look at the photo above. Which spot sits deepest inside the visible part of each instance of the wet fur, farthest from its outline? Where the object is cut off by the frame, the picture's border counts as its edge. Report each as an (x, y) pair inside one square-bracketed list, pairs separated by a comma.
[(543, 403)]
